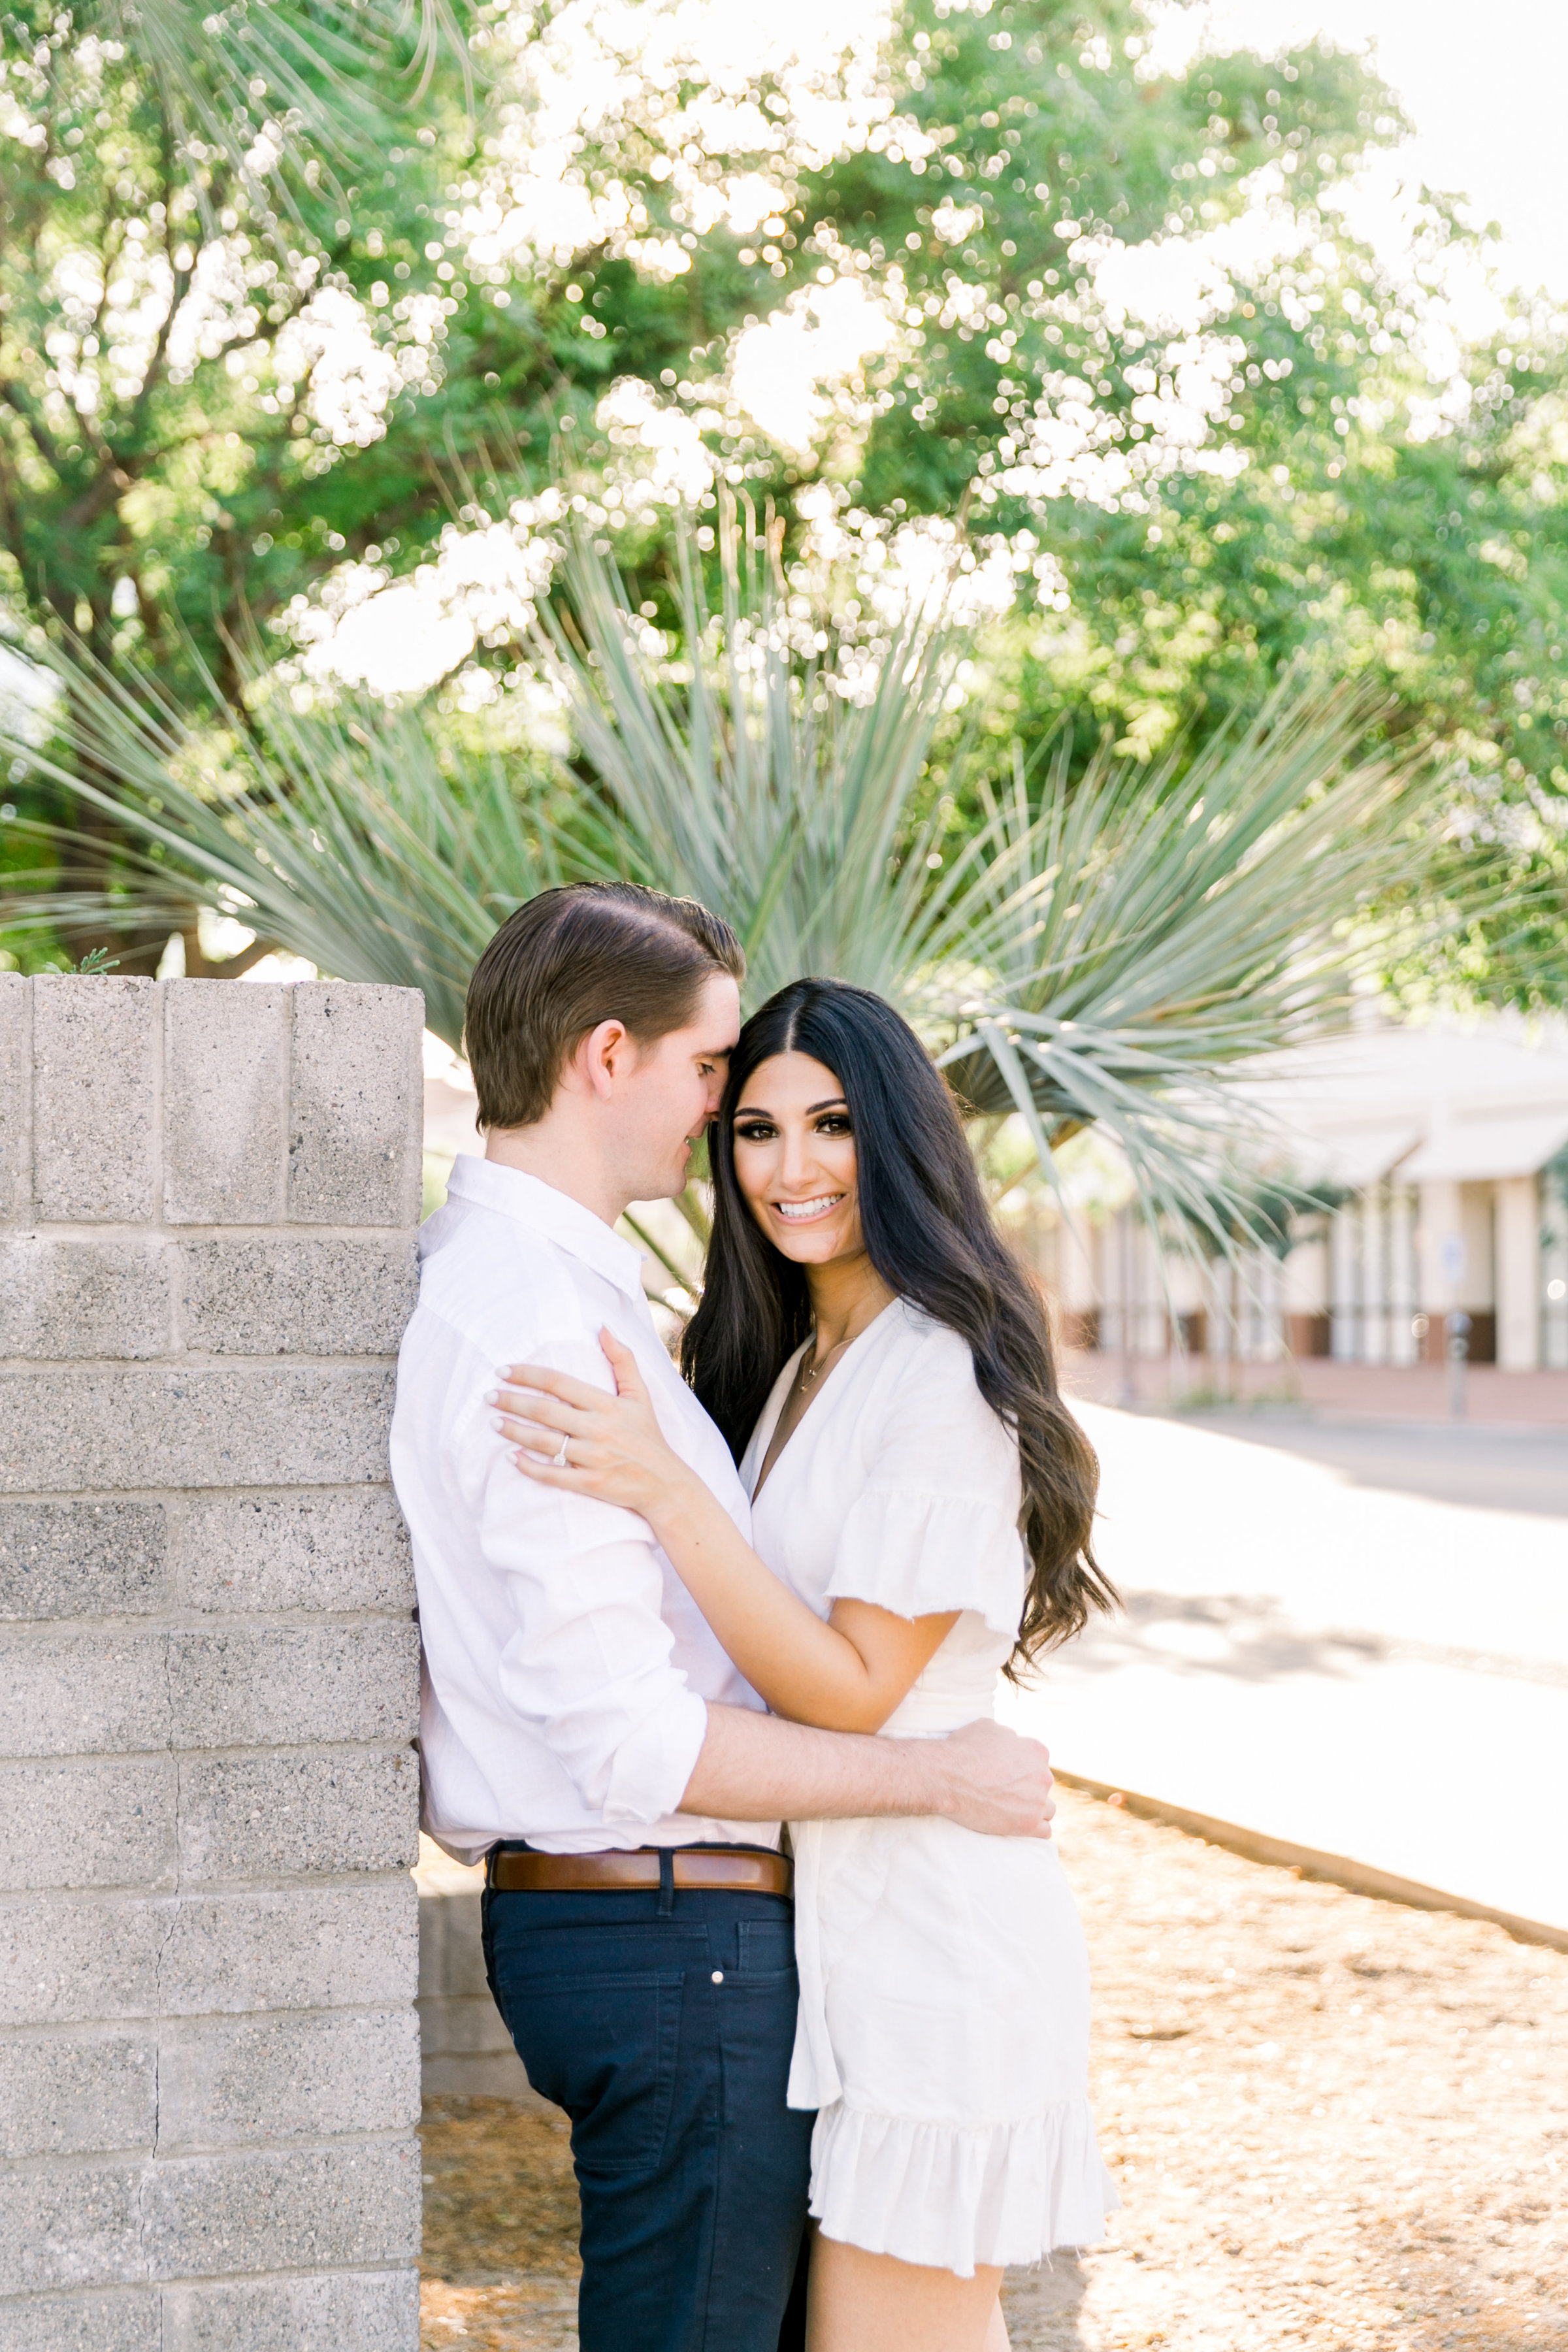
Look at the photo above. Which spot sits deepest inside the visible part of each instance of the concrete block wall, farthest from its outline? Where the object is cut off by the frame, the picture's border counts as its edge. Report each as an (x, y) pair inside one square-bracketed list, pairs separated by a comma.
[(209, 2065), (465, 2049)]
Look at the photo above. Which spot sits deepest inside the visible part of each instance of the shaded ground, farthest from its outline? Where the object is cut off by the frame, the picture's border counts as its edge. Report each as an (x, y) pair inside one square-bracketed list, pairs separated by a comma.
[(1469, 1463), (1337, 2124)]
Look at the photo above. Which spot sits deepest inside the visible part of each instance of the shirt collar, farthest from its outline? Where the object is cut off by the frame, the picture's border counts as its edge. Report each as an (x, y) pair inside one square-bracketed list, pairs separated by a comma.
[(539, 1206)]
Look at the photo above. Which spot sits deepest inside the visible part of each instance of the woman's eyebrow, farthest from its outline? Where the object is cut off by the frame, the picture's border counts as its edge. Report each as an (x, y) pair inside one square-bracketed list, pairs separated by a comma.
[(754, 1110)]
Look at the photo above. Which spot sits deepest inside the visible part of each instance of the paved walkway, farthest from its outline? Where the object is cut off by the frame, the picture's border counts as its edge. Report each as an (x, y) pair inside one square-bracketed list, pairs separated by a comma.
[(1334, 1630), (1397, 1392)]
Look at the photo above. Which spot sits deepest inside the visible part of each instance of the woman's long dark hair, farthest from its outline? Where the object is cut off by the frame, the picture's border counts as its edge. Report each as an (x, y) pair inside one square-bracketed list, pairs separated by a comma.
[(929, 1235)]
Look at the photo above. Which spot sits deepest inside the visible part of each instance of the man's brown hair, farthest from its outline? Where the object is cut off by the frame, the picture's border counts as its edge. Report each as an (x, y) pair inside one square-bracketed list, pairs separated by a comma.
[(569, 959)]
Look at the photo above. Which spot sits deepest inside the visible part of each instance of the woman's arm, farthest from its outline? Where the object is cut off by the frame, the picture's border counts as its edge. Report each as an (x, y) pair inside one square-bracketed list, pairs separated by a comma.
[(846, 1674)]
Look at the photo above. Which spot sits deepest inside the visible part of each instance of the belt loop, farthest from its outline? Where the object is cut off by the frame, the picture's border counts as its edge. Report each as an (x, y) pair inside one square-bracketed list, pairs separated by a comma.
[(666, 1882)]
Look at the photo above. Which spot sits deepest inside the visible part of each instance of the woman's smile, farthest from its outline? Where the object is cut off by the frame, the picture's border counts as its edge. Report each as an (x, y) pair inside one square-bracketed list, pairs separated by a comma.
[(802, 1213)]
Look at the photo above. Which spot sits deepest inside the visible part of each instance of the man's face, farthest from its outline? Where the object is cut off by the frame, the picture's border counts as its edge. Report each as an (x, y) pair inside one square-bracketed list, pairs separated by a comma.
[(672, 1091)]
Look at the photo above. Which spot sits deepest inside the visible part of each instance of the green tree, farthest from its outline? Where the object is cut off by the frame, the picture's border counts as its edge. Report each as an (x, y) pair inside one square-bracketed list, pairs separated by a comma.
[(330, 337)]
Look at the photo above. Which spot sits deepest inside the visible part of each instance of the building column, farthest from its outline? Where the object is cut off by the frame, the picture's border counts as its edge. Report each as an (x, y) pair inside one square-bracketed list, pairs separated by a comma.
[(1518, 1274), (1438, 1234)]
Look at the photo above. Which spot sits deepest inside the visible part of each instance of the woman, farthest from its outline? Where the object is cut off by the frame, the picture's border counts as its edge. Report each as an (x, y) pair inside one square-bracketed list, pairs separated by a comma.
[(921, 1510)]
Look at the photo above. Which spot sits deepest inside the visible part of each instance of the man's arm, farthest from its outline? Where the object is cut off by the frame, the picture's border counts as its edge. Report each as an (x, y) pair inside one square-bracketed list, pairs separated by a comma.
[(756, 1768), (588, 1664)]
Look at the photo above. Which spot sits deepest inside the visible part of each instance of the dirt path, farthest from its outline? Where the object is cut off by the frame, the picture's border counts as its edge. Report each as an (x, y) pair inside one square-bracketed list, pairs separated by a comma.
[(1337, 2124)]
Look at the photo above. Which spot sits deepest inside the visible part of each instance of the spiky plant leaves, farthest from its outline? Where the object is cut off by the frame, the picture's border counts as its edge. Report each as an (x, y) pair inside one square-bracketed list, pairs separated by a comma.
[(283, 92), (356, 838), (1105, 951)]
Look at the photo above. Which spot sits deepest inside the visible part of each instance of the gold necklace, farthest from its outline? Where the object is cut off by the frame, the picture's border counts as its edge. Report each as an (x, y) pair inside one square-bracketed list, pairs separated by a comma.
[(811, 1373)]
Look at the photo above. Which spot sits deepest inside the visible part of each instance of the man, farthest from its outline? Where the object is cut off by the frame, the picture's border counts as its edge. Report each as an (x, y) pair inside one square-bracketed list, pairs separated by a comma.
[(580, 1726)]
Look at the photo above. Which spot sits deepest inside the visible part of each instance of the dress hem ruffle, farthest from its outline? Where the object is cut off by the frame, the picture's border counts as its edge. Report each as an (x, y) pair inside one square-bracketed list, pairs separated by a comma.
[(951, 2195)]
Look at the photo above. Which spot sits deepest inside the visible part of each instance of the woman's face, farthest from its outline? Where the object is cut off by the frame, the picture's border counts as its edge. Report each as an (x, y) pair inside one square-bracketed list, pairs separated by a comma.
[(795, 1160)]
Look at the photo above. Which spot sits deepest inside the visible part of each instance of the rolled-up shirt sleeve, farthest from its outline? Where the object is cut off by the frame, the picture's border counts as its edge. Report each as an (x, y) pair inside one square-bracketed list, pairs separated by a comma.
[(588, 1663)]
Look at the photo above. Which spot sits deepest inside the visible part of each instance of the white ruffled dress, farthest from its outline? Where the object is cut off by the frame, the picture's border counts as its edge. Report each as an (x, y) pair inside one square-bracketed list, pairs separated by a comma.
[(944, 2030)]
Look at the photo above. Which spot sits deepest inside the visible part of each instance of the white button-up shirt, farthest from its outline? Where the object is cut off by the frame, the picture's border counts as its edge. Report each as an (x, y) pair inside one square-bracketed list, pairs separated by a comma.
[(566, 1668)]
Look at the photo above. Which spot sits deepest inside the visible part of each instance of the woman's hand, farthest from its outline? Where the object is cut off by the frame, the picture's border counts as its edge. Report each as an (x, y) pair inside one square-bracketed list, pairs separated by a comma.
[(567, 1433)]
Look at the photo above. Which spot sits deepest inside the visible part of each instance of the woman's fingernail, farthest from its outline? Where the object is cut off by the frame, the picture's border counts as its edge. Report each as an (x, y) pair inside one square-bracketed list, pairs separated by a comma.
[(493, 1396)]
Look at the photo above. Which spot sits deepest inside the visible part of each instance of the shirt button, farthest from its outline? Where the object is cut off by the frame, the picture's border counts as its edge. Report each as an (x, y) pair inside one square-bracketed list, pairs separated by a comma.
[(718, 1976)]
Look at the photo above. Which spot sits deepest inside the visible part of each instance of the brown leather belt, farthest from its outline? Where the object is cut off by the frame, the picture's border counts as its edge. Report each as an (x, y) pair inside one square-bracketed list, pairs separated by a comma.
[(741, 1871)]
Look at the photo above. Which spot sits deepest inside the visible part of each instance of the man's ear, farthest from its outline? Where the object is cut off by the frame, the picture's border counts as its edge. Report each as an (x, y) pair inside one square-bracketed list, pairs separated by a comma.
[(605, 1053)]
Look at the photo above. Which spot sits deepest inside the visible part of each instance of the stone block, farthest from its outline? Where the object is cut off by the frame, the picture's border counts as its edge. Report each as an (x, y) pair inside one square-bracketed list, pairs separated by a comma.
[(451, 1956), (95, 1059), (356, 1106), (287, 1296), (71, 1429), (294, 1551), (292, 1948), (67, 1955), (287, 1685), (468, 2027), (235, 2081), (15, 1097), (128, 2321), (68, 2225), (465, 2049), (207, 1955), (289, 2208), (294, 1816), (349, 2311), (116, 1693), (64, 2225), (226, 1102), (99, 1824), (484, 2074), (62, 1299), (82, 1559), (89, 1693), (69, 2095)]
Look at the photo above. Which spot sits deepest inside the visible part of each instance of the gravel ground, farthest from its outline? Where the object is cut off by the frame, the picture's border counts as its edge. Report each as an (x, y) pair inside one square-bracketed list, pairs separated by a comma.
[(1336, 2124)]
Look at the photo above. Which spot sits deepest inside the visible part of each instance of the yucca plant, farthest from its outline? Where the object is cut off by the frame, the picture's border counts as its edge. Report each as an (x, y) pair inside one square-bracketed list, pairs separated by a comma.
[(280, 94), (1103, 950), (356, 837)]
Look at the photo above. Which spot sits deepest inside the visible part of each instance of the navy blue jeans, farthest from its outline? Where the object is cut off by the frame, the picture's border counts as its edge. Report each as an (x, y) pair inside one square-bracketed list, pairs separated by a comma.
[(663, 2023)]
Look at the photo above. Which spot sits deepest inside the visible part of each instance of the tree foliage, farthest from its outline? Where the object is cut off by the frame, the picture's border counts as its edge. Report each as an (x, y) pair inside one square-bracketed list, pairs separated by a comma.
[(300, 302)]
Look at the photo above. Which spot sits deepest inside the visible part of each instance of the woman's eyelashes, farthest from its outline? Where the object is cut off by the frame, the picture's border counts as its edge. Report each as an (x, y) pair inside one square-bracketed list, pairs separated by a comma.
[(833, 1123)]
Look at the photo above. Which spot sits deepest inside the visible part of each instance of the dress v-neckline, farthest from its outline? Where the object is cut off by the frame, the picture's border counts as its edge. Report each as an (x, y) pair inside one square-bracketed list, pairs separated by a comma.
[(767, 1469)]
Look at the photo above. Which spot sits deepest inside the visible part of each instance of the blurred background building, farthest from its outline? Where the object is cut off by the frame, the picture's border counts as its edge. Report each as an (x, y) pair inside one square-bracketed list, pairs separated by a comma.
[(1440, 1153)]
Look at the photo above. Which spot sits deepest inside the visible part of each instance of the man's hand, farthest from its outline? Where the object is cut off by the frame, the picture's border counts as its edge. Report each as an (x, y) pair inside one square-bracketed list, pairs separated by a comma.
[(997, 1782)]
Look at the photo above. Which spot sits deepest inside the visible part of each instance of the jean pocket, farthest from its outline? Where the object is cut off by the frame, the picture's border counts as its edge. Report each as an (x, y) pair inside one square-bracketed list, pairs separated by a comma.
[(766, 1946), (604, 2048)]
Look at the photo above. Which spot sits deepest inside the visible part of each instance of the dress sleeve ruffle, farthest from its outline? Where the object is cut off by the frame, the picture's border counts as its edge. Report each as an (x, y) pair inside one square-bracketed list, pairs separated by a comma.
[(915, 1554)]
